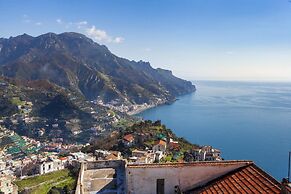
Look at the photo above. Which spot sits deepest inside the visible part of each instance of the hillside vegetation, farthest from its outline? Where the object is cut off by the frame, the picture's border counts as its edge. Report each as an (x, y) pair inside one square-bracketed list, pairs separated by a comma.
[(59, 181)]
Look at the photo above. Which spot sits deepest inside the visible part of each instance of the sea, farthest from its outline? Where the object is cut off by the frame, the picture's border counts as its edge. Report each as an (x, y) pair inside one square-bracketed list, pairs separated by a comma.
[(245, 120)]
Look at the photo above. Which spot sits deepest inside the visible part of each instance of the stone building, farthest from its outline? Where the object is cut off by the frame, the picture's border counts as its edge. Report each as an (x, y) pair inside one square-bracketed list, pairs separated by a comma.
[(176, 178), (51, 165)]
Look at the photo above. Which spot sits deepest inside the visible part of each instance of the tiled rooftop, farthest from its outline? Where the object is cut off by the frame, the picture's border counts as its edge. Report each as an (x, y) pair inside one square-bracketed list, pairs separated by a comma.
[(247, 179), (161, 142), (128, 137)]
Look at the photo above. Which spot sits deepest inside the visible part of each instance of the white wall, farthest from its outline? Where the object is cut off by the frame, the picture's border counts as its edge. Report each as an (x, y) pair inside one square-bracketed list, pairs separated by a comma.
[(47, 167), (6, 185), (142, 180)]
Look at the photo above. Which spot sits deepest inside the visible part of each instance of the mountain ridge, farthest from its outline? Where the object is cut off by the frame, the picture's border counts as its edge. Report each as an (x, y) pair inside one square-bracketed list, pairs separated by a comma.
[(74, 61)]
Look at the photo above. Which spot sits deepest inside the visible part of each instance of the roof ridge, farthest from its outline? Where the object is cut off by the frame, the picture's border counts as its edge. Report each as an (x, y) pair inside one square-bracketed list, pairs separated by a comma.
[(214, 163)]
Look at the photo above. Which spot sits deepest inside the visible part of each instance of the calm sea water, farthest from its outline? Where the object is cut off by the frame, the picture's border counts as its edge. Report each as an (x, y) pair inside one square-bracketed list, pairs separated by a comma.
[(245, 120)]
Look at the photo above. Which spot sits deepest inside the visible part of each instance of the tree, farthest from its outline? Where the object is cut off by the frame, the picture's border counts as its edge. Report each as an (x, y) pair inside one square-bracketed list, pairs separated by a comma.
[(54, 190), (66, 189), (157, 123)]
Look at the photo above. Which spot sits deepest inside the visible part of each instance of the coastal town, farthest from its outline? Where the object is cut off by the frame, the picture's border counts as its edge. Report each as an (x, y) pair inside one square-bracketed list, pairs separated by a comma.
[(129, 108), (145, 142)]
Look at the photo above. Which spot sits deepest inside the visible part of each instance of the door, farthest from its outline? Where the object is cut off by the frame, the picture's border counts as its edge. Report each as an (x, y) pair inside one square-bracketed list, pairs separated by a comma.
[(160, 186)]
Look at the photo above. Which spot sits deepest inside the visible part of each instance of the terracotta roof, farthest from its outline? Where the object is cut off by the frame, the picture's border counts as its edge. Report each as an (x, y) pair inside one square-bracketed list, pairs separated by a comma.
[(115, 153), (174, 145), (63, 158), (161, 142), (111, 157), (128, 137), (247, 179)]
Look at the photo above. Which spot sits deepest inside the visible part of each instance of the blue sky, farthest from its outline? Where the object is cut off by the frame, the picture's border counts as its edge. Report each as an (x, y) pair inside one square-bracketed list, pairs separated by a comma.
[(196, 39)]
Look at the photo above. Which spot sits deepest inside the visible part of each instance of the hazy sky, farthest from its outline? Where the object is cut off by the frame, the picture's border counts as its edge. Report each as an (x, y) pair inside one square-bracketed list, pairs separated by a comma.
[(197, 39)]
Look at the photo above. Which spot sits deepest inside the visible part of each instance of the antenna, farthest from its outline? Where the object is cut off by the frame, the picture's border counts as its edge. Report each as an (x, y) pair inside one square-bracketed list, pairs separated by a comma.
[(289, 167)]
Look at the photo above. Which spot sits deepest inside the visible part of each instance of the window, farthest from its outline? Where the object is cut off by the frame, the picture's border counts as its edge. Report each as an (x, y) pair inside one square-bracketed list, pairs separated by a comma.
[(160, 186)]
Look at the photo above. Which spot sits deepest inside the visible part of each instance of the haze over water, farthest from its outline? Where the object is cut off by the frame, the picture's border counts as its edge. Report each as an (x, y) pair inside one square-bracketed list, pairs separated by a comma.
[(245, 120)]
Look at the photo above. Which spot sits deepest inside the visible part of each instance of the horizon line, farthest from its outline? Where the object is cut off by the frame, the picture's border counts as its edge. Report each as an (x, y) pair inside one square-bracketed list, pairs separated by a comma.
[(242, 80)]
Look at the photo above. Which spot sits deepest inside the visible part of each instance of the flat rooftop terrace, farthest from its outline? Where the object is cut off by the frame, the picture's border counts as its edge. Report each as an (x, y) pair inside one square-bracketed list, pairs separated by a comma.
[(100, 181), (104, 177)]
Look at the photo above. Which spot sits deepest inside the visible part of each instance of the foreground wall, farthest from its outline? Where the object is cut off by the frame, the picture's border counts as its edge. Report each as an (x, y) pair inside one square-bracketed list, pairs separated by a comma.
[(142, 179)]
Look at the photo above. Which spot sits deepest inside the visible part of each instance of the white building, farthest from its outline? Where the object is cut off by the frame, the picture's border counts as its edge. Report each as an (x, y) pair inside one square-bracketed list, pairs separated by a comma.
[(206, 153), (142, 157), (6, 185), (51, 165), (80, 156), (2, 165), (158, 155), (128, 140), (160, 146)]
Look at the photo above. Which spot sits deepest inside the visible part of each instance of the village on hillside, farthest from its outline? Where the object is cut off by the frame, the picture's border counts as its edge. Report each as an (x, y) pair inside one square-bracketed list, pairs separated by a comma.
[(24, 160)]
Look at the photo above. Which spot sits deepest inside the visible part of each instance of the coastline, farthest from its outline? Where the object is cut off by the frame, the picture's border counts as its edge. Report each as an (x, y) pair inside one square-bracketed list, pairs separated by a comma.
[(143, 107)]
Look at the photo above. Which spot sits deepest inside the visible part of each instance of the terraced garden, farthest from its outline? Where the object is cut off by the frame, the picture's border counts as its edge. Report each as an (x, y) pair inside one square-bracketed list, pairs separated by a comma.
[(42, 184)]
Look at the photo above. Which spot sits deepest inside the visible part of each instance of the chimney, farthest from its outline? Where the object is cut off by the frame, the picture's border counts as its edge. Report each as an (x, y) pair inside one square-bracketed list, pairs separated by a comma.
[(284, 185), (289, 166), (286, 181)]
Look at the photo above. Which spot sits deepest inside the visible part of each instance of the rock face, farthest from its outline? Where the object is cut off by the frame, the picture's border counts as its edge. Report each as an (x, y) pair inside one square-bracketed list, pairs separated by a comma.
[(75, 62)]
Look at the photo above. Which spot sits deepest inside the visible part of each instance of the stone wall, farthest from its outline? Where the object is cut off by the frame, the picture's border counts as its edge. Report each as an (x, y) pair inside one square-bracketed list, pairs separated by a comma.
[(105, 164)]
